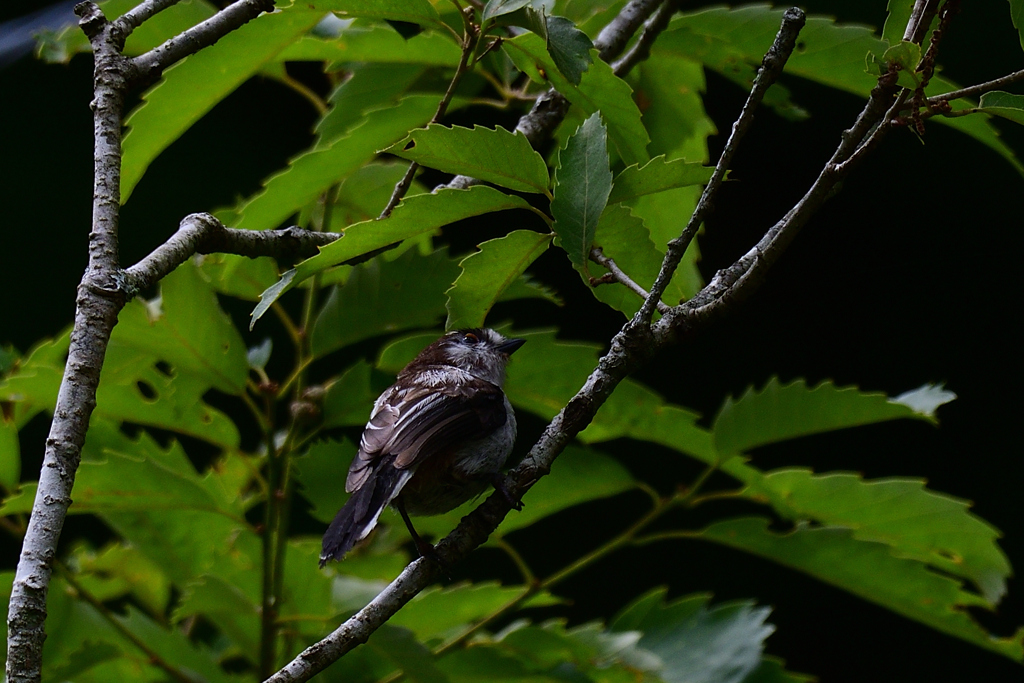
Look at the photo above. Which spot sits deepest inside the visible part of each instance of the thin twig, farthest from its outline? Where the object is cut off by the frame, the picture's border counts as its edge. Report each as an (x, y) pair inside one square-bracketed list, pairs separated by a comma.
[(641, 50), (469, 41), (148, 67), (976, 90), (133, 18), (612, 39), (771, 68), (598, 257), (201, 233)]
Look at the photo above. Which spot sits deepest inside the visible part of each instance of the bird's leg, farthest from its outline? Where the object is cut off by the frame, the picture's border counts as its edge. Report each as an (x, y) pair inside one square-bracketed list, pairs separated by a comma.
[(425, 550), (498, 482)]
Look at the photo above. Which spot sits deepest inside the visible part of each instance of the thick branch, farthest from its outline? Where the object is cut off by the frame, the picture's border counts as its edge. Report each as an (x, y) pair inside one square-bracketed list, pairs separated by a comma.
[(201, 233), (133, 18), (149, 66), (613, 38), (99, 301), (771, 68), (641, 50)]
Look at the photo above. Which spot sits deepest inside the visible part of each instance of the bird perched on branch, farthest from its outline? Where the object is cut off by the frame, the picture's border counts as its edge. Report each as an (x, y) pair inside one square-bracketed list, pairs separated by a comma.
[(436, 438)]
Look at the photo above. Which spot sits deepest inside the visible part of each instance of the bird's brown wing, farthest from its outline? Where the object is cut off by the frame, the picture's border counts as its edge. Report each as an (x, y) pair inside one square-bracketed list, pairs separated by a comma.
[(416, 423)]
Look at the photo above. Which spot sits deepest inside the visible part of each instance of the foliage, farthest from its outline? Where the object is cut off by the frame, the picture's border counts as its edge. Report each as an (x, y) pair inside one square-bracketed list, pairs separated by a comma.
[(191, 543)]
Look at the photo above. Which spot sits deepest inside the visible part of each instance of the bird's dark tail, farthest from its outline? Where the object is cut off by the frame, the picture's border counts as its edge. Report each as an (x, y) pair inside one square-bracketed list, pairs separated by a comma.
[(359, 515)]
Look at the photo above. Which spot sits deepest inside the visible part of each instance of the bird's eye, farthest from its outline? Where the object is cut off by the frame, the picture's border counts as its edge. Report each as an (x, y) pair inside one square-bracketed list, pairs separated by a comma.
[(470, 338)]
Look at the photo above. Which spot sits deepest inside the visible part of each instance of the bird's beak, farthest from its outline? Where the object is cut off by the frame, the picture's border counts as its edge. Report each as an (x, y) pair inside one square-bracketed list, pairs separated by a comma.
[(510, 346)]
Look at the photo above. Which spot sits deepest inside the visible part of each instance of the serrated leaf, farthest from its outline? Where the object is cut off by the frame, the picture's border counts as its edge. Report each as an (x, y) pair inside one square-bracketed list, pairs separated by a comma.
[(230, 610), (896, 18), (192, 87), (665, 214), (238, 276), (376, 44), (696, 642), (497, 8), (367, 87), (495, 156), (599, 90), (926, 399), (1007, 105), (311, 173), (416, 215), (349, 398), (382, 297), (733, 42), (582, 185), (413, 11), (917, 523), (487, 274), (525, 287), (569, 48), (671, 89), (904, 56), (408, 654), (868, 570), (657, 175), (320, 473), (786, 411)]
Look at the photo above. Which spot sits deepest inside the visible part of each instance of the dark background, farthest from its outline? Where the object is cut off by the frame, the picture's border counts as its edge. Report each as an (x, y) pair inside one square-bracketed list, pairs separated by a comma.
[(910, 275)]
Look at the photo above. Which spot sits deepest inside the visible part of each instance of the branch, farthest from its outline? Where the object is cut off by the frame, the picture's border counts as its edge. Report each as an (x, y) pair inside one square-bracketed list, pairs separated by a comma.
[(652, 29), (617, 275), (201, 233), (133, 18), (550, 108), (975, 90), (148, 67), (771, 68)]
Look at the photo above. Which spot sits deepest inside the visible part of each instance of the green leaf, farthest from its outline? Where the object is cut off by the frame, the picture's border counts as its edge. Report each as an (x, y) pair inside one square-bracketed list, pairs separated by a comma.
[(375, 44), (348, 399), (414, 11), (495, 156), (569, 48), (733, 42), (897, 15), (364, 194), (497, 8), (670, 89), (311, 173), (599, 90), (192, 87), (416, 215), (488, 273), (665, 214), (10, 455), (870, 571), (623, 238), (720, 644), (785, 411), (120, 570), (382, 297), (904, 56), (238, 276), (580, 475), (582, 185), (32, 387), (230, 610), (917, 523), (657, 175), (436, 611), (1017, 16), (368, 87), (408, 654), (1007, 105), (320, 474)]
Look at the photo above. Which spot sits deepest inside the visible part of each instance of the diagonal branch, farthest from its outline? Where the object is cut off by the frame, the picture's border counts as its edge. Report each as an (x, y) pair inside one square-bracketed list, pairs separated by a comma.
[(148, 67), (133, 18), (201, 233), (771, 68)]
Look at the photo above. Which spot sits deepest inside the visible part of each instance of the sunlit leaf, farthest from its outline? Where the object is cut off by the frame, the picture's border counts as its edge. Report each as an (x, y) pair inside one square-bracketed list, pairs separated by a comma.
[(657, 175), (368, 87), (495, 156), (376, 44), (192, 87)]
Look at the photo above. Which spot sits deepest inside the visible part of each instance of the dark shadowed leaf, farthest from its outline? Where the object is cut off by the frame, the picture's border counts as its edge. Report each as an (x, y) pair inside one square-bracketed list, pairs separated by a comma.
[(414, 11), (582, 185), (786, 411), (869, 570), (569, 48), (623, 238), (919, 524), (321, 476), (383, 296), (696, 642), (488, 273)]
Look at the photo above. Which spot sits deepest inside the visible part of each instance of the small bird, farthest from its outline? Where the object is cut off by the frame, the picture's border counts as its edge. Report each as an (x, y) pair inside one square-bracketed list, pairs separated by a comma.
[(436, 438)]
